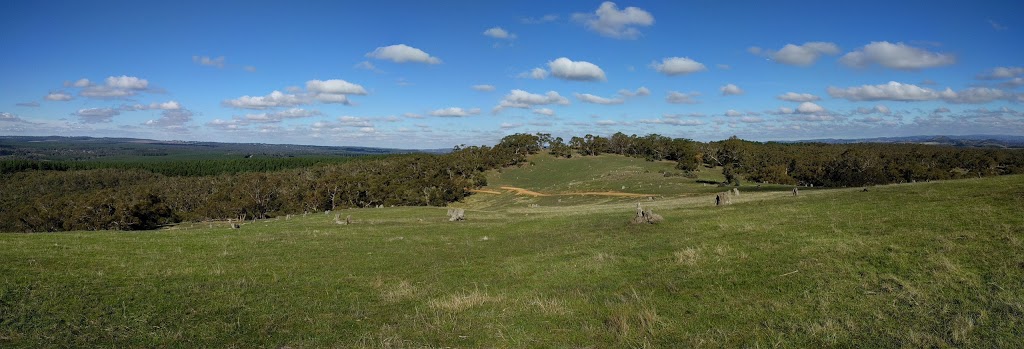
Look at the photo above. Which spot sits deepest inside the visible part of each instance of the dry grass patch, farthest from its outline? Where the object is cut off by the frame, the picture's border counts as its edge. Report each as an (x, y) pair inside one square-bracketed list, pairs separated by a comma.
[(549, 306), (463, 301), (688, 256), (392, 292)]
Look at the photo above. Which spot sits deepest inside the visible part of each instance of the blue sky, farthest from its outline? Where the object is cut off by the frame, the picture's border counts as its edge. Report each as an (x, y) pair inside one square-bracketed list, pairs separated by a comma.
[(417, 74)]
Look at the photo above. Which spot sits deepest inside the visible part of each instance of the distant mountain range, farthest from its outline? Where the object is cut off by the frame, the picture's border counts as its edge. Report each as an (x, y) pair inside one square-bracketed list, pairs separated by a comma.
[(973, 141)]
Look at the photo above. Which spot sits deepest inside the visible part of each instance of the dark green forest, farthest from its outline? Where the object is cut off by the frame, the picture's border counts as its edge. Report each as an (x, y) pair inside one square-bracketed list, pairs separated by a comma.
[(45, 196)]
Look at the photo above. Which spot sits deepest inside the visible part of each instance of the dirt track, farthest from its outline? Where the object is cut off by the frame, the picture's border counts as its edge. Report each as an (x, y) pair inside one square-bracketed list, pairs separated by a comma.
[(521, 191)]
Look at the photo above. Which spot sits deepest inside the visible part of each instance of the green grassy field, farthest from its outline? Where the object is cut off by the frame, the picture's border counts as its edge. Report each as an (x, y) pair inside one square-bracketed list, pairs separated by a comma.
[(919, 265)]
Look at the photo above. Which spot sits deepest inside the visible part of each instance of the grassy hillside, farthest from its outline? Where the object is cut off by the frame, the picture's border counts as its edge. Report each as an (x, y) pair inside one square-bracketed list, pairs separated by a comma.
[(926, 264)]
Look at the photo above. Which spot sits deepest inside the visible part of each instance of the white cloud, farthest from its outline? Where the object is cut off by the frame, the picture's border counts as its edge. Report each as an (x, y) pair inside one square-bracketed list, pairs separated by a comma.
[(333, 91), (127, 82), (809, 108), (642, 91), (535, 73), (32, 104), (798, 97), (672, 66), (173, 120), (169, 105), (896, 56), (273, 100), (611, 22), (589, 98), (522, 99), (509, 125), (483, 88), (893, 91), (78, 83), (999, 73), (96, 115), (58, 96), (878, 109), (731, 90), (568, 69), (544, 111), (249, 68), (799, 55), (275, 117), (353, 121), (607, 123), (976, 95), (676, 97), (733, 113), (499, 33), (367, 65), (402, 53), (751, 119), (207, 61), (8, 117), (455, 112), (673, 122), (115, 87)]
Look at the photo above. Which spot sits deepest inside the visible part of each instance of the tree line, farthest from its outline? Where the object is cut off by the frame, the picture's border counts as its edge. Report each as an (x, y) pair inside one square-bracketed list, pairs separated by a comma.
[(137, 198)]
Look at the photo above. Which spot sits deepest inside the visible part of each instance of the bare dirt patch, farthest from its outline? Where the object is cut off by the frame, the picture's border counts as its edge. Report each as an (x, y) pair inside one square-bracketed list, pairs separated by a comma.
[(522, 191)]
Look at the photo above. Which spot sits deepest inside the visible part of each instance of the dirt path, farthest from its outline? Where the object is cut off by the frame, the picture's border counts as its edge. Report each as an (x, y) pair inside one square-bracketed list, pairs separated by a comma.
[(521, 191), (485, 191)]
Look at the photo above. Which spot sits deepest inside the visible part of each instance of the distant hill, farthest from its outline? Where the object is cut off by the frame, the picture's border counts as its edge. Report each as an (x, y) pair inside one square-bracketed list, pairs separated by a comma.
[(90, 148), (972, 141)]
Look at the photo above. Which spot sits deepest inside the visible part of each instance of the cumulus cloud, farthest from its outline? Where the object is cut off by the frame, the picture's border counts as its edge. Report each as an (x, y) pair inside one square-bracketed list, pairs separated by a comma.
[(522, 99), (455, 112), (896, 56), (275, 117), (642, 91), (798, 97), (751, 119), (999, 73), (733, 113), (798, 55), (402, 53), (731, 90), (499, 33), (809, 108), (611, 22), (568, 69), (207, 61), (673, 121), (78, 83), (676, 97), (544, 111), (58, 96), (333, 91), (895, 91), (673, 66), (892, 91), (535, 73), (96, 115), (114, 87), (8, 117), (878, 109), (484, 88), (509, 125), (367, 65), (273, 100), (589, 98), (172, 120), (169, 105)]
